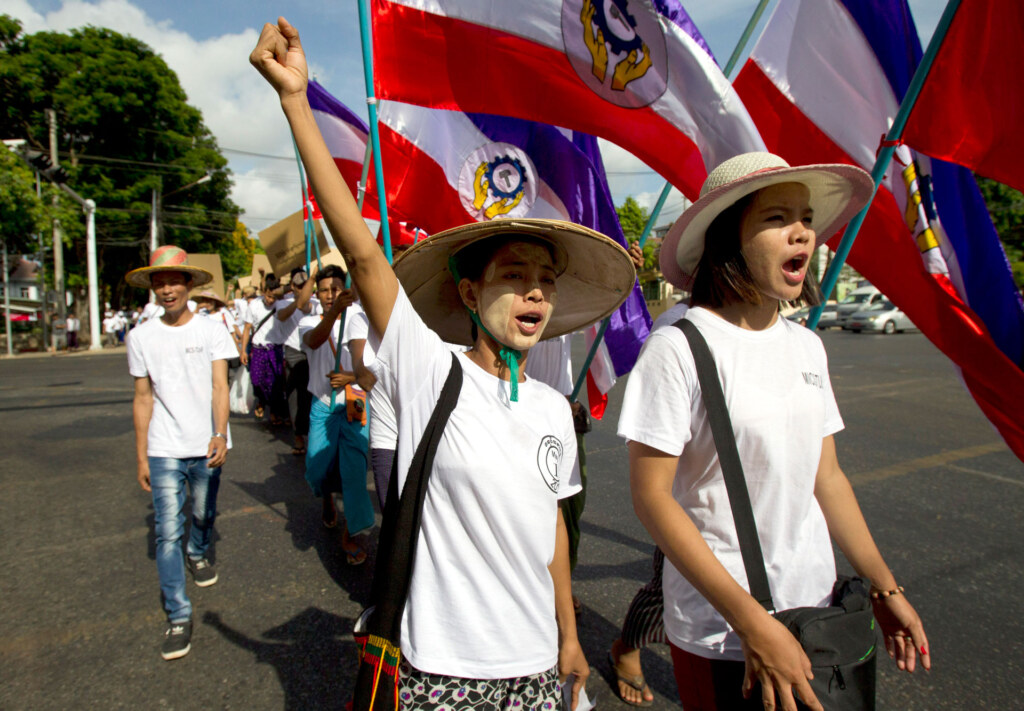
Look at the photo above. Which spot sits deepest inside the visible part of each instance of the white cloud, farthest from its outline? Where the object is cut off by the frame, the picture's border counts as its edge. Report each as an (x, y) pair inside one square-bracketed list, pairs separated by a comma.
[(237, 105)]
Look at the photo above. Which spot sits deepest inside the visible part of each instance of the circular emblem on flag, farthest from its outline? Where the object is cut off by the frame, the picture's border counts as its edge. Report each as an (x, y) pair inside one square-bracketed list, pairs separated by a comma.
[(549, 456), (617, 48), (497, 180)]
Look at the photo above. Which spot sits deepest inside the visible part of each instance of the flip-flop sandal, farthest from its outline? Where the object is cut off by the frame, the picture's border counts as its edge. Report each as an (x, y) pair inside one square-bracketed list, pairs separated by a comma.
[(355, 554), (355, 557), (258, 412), (299, 449), (636, 682)]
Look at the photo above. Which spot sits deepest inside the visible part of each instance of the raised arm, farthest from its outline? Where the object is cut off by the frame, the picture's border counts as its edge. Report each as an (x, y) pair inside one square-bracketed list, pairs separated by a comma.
[(279, 58), (301, 300)]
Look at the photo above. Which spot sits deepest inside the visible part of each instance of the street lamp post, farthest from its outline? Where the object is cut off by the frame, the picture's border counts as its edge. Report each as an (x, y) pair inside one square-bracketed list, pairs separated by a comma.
[(94, 291)]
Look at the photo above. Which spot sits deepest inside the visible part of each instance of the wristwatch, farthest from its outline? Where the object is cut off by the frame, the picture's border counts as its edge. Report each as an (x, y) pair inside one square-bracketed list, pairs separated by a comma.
[(221, 435)]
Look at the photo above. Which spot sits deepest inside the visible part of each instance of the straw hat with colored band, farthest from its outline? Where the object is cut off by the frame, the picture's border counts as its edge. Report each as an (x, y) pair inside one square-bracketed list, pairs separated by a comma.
[(838, 192), (167, 259), (210, 294), (595, 275)]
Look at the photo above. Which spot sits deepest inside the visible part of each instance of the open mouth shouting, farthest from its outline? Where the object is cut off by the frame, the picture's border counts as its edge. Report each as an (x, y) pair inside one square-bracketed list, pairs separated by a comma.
[(530, 322), (795, 268)]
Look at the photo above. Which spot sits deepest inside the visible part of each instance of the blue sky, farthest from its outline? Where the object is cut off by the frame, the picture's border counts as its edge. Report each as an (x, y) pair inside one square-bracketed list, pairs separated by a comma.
[(207, 43)]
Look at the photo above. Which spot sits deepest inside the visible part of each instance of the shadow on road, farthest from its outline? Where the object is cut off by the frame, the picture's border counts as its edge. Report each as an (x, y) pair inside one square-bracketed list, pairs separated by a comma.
[(286, 493), (313, 654)]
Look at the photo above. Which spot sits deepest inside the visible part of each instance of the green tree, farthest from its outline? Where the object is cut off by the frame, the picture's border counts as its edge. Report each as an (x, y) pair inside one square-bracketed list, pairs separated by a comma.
[(21, 212), (1006, 208), (125, 129), (633, 219)]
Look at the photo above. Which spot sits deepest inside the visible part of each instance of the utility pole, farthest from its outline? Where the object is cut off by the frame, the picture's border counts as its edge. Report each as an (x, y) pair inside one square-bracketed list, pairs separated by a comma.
[(44, 312), (7, 304), (58, 243), (154, 224)]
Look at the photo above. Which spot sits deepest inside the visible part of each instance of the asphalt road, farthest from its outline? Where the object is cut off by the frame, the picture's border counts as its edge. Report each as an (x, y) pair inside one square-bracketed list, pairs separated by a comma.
[(81, 619)]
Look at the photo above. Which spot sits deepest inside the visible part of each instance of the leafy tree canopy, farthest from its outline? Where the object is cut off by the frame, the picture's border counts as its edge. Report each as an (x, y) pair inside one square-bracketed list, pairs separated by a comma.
[(21, 211), (1006, 207), (124, 129), (633, 219)]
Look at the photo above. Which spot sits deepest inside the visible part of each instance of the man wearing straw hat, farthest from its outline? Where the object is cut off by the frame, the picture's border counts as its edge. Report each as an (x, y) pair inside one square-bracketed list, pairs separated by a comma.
[(180, 410)]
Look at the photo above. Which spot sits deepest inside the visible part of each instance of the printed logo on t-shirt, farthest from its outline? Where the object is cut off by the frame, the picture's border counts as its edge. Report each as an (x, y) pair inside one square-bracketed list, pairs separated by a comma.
[(193, 349), (814, 380), (549, 455)]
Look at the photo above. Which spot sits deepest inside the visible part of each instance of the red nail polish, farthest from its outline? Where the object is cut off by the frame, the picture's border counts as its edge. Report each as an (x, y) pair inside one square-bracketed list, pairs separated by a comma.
[(924, 650)]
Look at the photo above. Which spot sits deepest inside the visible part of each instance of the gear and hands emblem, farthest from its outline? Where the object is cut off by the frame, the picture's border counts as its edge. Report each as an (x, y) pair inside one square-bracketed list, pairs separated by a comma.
[(593, 36), (483, 184), (598, 37)]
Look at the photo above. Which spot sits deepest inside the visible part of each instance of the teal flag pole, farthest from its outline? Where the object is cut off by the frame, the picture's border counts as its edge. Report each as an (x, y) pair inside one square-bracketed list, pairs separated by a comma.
[(371, 102), (744, 38), (341, 334), (885, 156)]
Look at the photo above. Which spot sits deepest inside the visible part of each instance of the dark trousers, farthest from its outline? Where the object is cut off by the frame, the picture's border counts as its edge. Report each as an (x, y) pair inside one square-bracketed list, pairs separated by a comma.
[(297, 379)]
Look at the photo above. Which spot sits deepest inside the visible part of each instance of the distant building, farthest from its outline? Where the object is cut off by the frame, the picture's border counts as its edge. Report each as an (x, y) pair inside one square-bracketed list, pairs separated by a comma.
[(23, 280)]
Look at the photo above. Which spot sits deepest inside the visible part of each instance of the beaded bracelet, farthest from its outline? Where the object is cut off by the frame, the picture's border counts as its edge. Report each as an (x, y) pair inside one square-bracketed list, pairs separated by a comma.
[(882, 594)]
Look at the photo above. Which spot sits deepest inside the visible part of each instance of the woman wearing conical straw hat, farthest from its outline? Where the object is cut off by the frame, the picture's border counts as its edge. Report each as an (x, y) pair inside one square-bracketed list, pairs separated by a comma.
[(489, 618), (742, 249)]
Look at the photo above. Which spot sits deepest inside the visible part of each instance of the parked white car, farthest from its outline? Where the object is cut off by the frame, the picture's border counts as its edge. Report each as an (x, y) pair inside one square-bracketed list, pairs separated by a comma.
[(860, 299), (882, 316), (829, 317)]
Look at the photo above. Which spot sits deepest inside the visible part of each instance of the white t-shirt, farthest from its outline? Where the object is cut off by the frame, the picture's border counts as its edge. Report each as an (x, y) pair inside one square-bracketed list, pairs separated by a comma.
[(290, 328), (550, 362), (383, 426), (481, 602), (780, 399), (226, 320), (178, 361), (321, 360), (269, 333), (671, 315)]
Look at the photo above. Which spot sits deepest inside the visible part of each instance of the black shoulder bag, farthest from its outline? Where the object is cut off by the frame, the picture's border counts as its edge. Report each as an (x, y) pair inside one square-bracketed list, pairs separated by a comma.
[(378, 629), (839, 640)]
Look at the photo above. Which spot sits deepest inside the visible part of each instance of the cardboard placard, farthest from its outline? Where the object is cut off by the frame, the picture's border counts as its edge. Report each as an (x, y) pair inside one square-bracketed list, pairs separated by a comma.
[(259, 261), (285, 243), (211, 263)]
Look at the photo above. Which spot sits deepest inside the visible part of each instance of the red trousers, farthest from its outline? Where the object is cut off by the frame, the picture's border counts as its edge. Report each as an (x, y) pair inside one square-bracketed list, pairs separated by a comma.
[(711, 684)]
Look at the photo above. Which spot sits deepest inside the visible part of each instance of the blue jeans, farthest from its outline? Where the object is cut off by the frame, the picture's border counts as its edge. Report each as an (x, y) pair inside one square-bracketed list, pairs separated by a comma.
[(168, 477)]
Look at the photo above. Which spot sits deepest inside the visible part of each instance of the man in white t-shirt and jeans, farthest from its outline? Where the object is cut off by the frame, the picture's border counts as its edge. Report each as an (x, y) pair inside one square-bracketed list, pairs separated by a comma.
[(180, 410)]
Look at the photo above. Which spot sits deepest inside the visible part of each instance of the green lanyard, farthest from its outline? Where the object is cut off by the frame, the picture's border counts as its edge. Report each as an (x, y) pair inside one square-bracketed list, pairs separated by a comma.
[(510, 356)]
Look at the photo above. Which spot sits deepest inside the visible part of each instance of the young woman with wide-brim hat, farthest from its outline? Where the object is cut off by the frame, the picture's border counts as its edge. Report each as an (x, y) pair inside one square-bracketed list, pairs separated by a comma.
[(742, 249), (489, 619)]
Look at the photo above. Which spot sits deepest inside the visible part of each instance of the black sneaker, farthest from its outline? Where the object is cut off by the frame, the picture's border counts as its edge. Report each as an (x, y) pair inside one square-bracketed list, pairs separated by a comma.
[(177, 640), (202, 572)]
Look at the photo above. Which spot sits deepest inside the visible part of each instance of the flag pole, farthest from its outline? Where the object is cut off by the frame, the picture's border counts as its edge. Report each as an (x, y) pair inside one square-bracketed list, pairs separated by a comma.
[(885, 155), (744, 38), (307, 211), (371, 102)]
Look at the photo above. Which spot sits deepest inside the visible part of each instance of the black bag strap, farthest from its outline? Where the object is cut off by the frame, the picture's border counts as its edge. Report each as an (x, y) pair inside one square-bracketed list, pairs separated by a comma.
[(260, 324), (400, 528), (732, 467)]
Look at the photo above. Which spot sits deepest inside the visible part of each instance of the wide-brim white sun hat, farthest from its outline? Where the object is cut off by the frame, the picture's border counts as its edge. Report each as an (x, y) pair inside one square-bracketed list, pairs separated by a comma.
[(595, 275), (838, 192), (168, 258)]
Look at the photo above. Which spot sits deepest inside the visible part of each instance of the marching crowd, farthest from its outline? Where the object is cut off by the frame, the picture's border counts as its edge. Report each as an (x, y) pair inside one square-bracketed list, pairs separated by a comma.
[(447, 373)]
